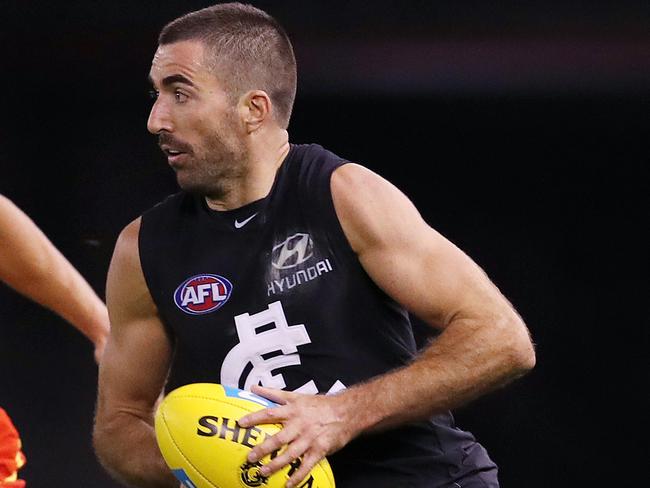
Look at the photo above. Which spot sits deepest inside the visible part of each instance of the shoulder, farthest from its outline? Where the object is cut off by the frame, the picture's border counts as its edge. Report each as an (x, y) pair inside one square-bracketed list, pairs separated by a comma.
[(126, 290), (126, 247), (354, 176), (371, 208), (358, 185)]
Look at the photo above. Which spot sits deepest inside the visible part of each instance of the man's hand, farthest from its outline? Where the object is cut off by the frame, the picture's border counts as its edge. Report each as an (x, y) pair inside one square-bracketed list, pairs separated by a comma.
[(313, 427)]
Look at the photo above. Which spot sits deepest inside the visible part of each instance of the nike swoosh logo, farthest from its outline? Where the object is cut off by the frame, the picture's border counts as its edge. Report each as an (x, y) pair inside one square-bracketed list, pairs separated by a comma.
[(239, 225)]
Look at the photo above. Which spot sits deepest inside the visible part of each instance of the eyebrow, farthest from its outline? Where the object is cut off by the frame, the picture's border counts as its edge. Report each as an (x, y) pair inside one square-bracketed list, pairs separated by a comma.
[(171, 79)]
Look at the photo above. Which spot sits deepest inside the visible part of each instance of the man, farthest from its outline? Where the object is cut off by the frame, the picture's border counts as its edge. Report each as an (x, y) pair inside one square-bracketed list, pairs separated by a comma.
[(285, 266), (31, 265)]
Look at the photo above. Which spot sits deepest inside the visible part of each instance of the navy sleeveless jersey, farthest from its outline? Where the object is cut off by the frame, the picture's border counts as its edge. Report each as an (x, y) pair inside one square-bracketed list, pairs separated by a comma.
[(272, 294)]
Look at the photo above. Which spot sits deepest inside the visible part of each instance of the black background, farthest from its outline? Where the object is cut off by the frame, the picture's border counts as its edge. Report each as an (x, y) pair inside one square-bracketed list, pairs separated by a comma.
[(520, 132)]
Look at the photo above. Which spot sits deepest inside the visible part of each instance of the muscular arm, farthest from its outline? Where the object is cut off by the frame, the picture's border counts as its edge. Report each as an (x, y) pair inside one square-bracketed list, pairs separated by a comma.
[(31, 265), (132, 374), (483, 344)]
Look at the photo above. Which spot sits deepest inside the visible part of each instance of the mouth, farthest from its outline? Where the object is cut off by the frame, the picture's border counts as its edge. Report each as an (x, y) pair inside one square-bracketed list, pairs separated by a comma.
[(174, 156)]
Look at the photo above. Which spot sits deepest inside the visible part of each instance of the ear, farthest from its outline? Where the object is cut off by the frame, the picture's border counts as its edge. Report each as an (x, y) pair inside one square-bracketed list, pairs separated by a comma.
[(256, 107)]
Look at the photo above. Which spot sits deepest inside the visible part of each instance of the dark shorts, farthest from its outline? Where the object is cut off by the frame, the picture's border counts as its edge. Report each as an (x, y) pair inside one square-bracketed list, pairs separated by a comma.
[(483, 479)]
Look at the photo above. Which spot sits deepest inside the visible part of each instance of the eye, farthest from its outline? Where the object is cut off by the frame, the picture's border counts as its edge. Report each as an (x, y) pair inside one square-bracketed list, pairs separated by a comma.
[(153, 94), (180, 96)]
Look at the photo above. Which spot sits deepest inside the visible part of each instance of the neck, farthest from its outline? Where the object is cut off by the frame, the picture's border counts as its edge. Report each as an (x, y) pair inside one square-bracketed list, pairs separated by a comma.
[(266, 155)]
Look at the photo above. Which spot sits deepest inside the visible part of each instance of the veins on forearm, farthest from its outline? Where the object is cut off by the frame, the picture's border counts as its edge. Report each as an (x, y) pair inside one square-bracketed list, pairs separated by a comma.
[(467, 360)]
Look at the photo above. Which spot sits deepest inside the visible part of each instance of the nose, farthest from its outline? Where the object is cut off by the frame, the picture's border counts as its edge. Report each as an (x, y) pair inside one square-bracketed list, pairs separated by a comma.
[(159, 118)]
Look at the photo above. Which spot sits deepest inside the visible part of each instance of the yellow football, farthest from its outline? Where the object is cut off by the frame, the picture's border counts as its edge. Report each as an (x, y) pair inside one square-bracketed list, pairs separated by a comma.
[(201, 442)]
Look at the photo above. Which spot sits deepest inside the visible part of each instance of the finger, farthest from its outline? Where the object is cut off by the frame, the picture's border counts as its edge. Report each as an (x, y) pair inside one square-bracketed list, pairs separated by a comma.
[(271, 444), (293, 451), (309, 460), (277, 396), (272, 415)]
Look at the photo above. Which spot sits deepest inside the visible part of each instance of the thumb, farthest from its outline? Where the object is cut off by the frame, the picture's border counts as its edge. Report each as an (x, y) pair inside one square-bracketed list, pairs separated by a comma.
[(278, 396)]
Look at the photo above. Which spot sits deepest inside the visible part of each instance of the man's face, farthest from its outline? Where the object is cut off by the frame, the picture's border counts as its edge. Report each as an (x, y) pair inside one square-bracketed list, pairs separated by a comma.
[(195, 120)]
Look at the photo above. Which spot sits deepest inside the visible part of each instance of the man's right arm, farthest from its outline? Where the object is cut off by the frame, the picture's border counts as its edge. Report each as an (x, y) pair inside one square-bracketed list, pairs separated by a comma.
[(132, 374)]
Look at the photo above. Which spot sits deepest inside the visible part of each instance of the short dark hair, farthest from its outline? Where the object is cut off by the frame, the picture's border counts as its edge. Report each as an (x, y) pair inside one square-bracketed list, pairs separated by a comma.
[(251, 45)]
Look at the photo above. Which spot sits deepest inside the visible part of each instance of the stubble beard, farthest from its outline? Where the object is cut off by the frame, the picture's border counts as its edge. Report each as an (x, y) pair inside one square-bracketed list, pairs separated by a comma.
[(216, 170)]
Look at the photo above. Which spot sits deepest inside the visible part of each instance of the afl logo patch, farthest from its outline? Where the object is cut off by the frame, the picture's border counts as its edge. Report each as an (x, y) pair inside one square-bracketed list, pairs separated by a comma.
[(202, 293)]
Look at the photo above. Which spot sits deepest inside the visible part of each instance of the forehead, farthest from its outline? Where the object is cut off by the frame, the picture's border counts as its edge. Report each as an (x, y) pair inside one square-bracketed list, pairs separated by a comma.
[(185, 58)]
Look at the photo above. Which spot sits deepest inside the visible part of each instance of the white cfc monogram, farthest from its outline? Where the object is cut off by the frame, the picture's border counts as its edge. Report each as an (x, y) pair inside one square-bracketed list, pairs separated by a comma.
[(268, 343)]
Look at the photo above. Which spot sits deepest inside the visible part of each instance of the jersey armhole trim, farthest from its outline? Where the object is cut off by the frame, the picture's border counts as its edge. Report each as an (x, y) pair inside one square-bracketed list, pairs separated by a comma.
[(340, 233), (168, 329)]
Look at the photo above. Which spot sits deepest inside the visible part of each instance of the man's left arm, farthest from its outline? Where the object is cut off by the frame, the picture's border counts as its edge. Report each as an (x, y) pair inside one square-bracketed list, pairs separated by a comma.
[(484, 343)]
